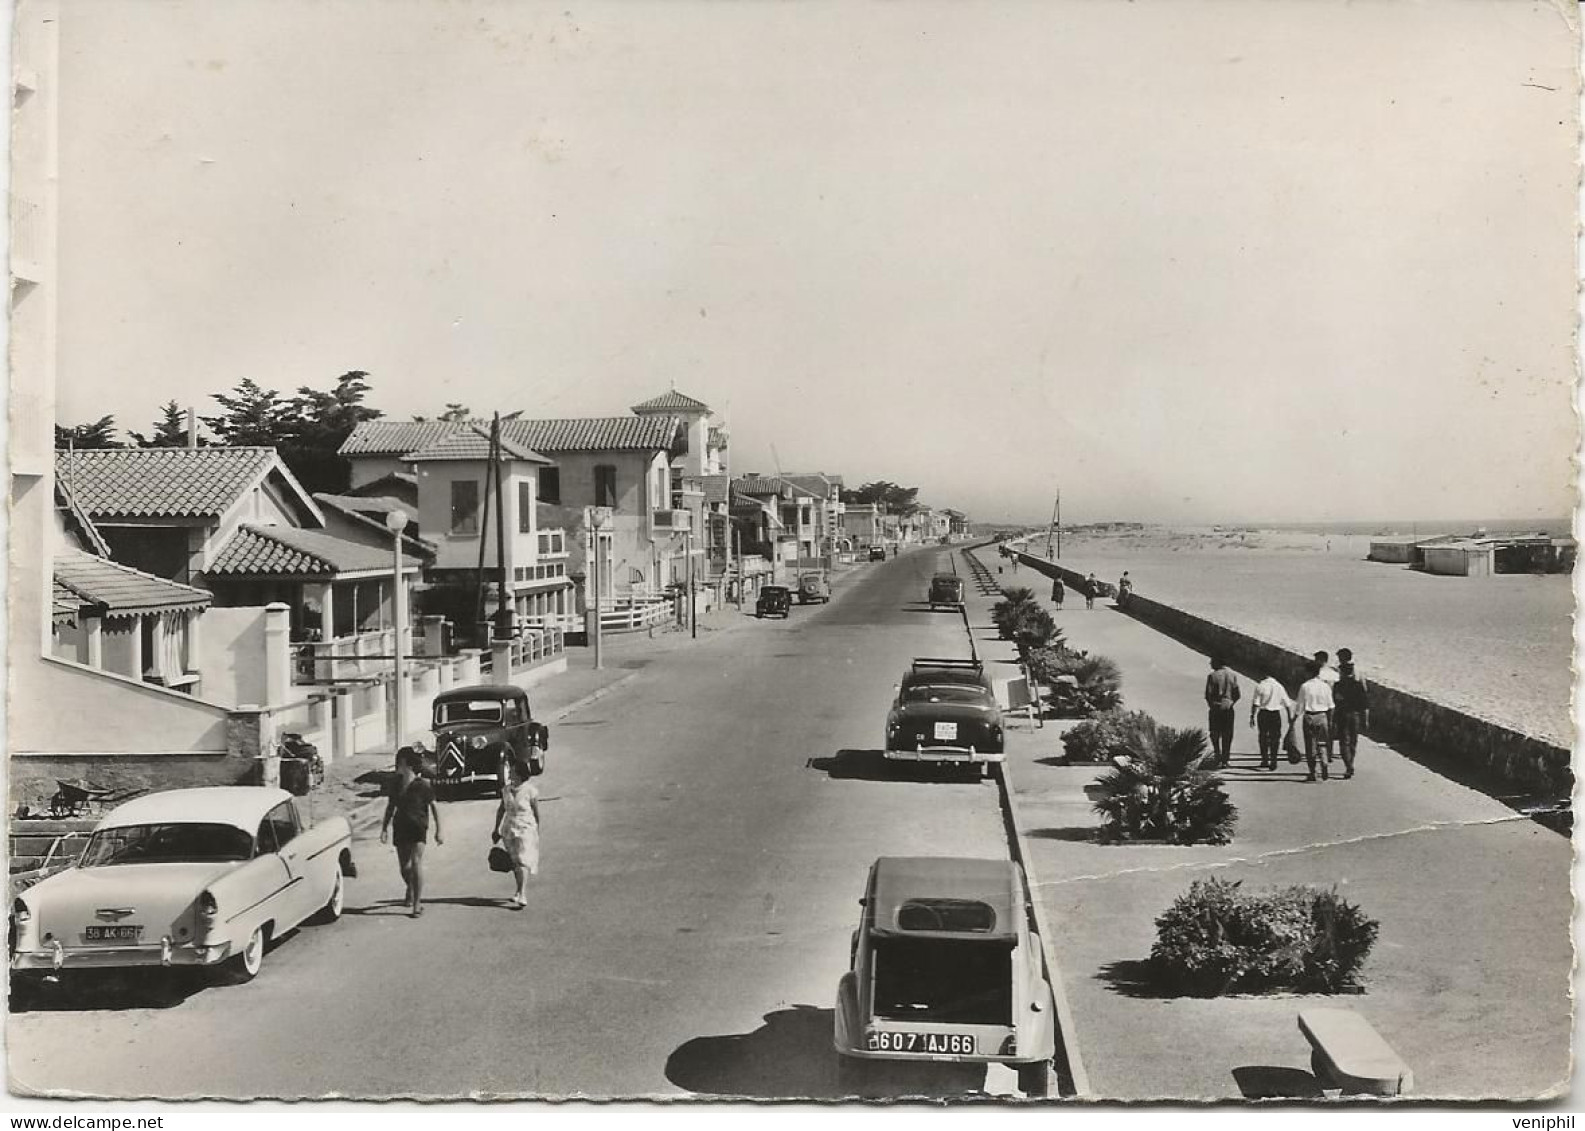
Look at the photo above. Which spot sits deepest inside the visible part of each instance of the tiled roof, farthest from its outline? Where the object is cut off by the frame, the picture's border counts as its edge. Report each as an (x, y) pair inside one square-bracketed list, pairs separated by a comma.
[(579, 434), (122, 590), (358, 511), (672, 401), (286, 551), (161, 482), (78, 520), (817, 483), (471, 444), (757, 485), (715, 488), (64, 604)]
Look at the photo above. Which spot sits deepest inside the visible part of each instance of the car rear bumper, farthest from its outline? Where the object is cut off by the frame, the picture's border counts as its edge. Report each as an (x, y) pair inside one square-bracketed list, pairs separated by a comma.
[(946, 754), (163, 953)]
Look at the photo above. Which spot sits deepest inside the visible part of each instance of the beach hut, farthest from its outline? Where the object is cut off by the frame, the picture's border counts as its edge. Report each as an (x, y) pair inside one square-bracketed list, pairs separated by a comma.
[(1464, 557), (1399, 548)]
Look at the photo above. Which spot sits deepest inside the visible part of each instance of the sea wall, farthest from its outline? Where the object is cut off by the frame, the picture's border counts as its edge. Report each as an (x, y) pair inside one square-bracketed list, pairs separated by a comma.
[(1528, 763)]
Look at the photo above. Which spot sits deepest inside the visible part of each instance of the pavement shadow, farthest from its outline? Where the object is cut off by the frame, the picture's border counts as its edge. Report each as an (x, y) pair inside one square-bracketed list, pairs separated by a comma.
[(790, 1057), (1137, 978), (88, 990), (1274, 1082), (1081, 834), (873, 765)]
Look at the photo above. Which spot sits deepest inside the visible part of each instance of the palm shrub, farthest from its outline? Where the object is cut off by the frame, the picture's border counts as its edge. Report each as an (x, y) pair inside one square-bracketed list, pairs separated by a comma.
[(1005, 613), (1217, 939), (1097, 680), (1033, 628), (1103, 737), (1164, 789)]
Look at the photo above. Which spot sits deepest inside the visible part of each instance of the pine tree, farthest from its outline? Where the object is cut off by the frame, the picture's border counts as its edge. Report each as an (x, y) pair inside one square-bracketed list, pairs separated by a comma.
[(170, 430), (100, 433)]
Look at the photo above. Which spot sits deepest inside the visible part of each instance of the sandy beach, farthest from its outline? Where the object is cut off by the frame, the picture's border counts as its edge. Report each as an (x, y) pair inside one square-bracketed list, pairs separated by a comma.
[(1500, 647)]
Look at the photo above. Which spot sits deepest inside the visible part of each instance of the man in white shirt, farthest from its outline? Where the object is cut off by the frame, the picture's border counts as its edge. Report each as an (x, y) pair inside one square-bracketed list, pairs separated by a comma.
[(1269, 712), (1315, 710)]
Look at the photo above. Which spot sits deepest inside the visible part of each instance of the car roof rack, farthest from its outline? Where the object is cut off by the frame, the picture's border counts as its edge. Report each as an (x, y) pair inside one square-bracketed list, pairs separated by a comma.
[(940, 662)]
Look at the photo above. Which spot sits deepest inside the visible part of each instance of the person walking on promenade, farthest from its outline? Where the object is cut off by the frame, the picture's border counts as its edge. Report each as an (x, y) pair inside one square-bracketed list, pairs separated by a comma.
[(1125, 587), (1328, 672), (1315, 707), (408, 814), (1058, 591), (1092, 589), (1270, 712), (1221, 694), (1351, 694), (517, 824)]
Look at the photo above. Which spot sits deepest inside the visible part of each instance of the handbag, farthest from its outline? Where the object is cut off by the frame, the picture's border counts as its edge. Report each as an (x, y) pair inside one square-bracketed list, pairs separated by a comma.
[(499, 860), (1290, 745)]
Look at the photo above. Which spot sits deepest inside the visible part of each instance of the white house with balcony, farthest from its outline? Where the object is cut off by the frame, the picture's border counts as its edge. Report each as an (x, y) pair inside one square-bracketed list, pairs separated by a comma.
[(471, 524)]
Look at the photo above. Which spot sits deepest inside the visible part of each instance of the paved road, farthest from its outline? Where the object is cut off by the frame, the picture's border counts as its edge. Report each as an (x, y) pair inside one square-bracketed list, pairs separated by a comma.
[(706, 840)]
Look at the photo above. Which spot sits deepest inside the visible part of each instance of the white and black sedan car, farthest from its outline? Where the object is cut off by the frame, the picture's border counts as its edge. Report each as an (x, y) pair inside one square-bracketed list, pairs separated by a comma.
[(187, 877)]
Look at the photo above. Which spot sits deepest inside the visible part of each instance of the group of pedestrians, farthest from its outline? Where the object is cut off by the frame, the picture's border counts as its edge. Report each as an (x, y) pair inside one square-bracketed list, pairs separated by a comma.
[(1090, 587), (1331, 708), (410, 812)]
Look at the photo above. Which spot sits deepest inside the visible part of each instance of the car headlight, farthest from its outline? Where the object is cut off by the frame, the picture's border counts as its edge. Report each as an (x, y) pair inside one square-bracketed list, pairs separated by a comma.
[(21, 912), (477, 742)]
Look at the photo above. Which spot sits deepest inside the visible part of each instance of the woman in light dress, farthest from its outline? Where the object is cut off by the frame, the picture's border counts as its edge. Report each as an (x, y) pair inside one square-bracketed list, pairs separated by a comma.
[(517, 824)]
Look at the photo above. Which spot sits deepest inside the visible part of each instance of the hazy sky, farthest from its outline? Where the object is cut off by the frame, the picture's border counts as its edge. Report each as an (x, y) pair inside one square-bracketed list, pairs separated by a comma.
[(1205, 261)]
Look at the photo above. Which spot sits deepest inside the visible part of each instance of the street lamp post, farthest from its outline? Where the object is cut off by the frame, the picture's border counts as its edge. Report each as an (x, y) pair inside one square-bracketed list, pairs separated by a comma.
[(396, 523)]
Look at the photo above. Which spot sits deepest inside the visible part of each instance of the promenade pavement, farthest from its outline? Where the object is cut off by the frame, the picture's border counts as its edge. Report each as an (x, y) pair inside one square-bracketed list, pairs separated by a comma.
[(1469, 979)]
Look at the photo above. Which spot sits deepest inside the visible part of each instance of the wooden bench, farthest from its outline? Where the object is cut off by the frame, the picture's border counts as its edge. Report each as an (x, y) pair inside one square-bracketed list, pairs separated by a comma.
[(1348, 1054)]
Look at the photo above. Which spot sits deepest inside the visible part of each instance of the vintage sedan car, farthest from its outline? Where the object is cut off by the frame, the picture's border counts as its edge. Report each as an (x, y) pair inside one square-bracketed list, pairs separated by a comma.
[(944, 967), (812, 588), (774, 601), (946, 590), (877, 553), (945, 712), (475, 727), (187, 877)]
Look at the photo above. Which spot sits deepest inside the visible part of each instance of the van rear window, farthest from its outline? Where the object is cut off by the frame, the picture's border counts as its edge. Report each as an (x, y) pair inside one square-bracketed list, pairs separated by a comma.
[(955, 981)]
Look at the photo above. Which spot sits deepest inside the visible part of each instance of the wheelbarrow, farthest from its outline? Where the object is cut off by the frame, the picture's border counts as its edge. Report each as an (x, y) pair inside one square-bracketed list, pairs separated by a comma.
[(76, 798)]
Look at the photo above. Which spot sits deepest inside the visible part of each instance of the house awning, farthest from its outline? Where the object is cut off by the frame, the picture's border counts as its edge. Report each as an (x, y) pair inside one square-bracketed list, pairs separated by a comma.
[(81, 579)]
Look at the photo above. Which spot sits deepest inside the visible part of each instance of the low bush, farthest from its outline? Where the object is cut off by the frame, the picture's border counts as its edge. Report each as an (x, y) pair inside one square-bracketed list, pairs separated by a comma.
[(1218, 939), (1097, 683), (1103, 737), (1005, 613), (1164, 789)]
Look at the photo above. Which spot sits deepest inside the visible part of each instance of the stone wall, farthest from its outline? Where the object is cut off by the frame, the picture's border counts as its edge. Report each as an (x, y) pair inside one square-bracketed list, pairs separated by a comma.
[(1522, 760)]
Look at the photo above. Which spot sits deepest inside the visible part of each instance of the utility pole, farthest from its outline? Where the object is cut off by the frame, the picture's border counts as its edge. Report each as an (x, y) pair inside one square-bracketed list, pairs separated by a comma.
[(504, 608), (693, 601), (1055, 529)]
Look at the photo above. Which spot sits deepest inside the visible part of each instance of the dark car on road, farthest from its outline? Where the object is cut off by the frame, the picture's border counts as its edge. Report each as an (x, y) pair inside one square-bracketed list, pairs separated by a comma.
[(944, 967), (945, 712), (946, 589), (774, 601), (475, 727), (877, 553)]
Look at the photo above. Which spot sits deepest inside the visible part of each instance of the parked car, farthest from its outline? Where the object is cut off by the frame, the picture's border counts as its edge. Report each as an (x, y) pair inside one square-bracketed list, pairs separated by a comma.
[(946, 589), (946, 712), (877, 553), (944, 967), (813, 587), (476, 726), (187, 877), (774, 601)]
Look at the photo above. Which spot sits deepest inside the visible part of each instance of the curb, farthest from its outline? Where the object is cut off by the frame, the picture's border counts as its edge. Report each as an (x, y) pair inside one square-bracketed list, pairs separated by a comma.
[(1067, 1029), (370, 812)]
